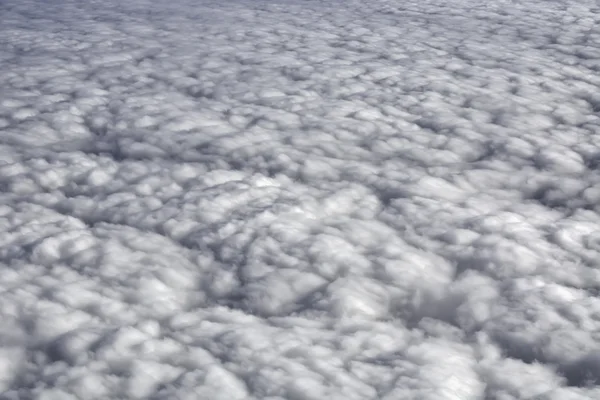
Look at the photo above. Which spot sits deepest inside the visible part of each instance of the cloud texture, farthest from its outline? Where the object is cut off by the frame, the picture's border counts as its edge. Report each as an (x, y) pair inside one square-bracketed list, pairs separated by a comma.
[(299, 200)]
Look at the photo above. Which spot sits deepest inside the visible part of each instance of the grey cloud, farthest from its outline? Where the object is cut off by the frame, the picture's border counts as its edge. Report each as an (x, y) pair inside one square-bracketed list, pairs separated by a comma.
[(299, 200)]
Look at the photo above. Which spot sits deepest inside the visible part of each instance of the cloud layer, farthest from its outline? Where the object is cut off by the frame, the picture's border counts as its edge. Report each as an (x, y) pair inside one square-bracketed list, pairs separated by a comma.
[(300, 200)]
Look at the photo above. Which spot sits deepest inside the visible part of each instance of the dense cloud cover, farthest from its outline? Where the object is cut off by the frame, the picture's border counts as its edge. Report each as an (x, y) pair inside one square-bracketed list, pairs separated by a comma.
[(299, 200)]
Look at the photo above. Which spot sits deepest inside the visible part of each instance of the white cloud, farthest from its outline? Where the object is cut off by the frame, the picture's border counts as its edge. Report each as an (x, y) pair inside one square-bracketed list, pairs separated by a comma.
[(299, 200)]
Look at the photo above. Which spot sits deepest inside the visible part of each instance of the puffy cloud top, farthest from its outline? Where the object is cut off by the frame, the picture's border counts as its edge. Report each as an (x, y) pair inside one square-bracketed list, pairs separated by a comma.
[(300, 200)]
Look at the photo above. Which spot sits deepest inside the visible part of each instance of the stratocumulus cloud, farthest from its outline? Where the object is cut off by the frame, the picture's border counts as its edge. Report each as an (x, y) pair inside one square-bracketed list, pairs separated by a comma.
[(300, 200)]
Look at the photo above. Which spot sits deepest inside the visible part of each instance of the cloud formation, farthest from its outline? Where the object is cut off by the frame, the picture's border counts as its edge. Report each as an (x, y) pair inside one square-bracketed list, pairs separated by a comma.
[(300, 200)]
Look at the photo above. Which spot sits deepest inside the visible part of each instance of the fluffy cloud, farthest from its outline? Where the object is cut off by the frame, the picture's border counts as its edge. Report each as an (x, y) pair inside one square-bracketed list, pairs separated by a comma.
[(299, 200)]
